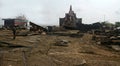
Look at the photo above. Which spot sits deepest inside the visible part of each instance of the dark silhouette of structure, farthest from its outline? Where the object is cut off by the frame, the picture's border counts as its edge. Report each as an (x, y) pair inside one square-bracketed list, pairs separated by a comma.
[(35, 27), (9, 23), (70, 21)]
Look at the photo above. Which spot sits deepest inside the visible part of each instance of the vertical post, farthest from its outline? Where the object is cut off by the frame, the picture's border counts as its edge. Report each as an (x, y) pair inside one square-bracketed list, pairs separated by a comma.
[(24, 58), (104, 18), (1, 58)]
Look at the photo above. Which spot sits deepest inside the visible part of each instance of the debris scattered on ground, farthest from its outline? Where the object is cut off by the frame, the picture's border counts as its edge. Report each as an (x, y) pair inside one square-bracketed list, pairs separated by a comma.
[(55, 50), (116, 47), (62, 43)]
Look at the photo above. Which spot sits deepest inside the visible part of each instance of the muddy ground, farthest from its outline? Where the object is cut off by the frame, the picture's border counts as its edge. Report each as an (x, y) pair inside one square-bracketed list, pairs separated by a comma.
[(40, 50)]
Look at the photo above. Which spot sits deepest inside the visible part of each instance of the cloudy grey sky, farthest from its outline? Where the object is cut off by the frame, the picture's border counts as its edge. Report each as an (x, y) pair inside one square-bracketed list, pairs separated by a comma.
[(49, 11)]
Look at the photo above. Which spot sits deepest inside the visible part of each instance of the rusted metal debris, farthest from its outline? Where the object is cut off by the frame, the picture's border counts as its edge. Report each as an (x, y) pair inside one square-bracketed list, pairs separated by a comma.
[(34, 27), (110, 39), (62, 43)]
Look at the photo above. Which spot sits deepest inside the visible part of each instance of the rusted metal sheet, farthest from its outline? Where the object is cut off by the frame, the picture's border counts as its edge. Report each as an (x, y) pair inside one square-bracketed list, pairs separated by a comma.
[(35, 27)]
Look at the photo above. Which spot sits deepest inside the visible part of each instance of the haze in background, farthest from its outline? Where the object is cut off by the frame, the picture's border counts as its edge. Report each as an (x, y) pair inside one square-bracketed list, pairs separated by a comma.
[(48, 12)]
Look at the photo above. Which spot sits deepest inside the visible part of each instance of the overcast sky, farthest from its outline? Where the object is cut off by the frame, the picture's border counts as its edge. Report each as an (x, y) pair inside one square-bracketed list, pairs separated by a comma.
[(48, 12)]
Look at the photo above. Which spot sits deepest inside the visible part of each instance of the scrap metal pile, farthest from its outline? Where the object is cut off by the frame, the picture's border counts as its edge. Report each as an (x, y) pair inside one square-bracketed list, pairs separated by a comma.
[(110, 39)]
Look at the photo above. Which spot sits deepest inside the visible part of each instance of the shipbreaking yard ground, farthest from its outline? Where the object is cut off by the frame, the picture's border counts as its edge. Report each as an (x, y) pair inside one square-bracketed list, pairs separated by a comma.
[(40, 50)]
